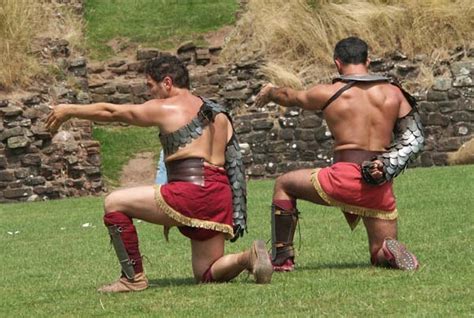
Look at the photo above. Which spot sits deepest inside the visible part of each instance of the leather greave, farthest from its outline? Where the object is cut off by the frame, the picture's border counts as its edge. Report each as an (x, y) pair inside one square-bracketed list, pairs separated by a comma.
[(284, 224)]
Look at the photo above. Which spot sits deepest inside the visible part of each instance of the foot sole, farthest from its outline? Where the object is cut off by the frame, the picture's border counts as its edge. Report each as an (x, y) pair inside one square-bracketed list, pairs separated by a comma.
[(403, 259), (262, 268)]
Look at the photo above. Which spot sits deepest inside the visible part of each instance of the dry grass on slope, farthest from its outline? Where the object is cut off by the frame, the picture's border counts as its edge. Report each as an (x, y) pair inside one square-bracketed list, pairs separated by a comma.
[(297, 37), (22, 23)]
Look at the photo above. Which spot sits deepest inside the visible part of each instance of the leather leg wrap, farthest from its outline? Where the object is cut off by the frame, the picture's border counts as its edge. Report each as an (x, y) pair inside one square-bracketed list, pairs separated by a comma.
[(284, 224), (125, 241)]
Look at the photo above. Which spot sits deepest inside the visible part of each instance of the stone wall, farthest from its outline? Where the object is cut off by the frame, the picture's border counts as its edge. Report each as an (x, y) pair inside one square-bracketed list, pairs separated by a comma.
[(276, 139), (34, 165)]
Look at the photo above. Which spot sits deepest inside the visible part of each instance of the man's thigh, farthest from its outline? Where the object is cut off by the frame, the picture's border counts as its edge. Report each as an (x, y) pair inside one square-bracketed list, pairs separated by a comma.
[(138, 202), (297, 184)]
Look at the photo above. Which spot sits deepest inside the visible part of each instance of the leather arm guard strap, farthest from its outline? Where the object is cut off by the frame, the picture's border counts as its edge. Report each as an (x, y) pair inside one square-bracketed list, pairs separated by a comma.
[(125, 262), (283, 231), (407, 145)]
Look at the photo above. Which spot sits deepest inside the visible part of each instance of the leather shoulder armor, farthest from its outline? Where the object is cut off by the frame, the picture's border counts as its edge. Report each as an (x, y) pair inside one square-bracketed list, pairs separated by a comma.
[(173, 141), (361, 78)]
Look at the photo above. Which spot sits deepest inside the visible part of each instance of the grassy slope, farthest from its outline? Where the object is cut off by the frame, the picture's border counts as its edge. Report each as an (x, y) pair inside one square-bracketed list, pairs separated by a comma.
[(120, 144), (162, 24), (52, 266)]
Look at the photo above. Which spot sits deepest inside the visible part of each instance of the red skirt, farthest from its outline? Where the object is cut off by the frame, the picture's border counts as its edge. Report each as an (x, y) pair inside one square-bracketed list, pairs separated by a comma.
[(204, 211), (342, 185)]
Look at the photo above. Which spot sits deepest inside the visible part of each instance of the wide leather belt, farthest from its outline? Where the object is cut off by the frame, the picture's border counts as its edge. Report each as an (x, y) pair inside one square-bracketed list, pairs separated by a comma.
[(354, 155), (188, 170)]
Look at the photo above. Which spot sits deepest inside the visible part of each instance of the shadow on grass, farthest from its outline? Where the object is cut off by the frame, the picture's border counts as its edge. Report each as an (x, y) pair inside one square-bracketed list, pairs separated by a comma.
[(316, 266)]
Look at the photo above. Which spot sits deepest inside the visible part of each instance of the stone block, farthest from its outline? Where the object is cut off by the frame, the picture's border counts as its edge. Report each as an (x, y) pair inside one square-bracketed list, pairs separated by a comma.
[(22, 173), (35, 181), (277, 146), (437, 119), (463, 81), (426, 160), (119, 70), (442, 83), (462, 116), (33, 159), (433, 95), (18, 142), (439, 158), (428, 107), (447, 107), (17, 193), (305, 134), (242, 127), (11, 111), (287, 134), (12, 132), (121, 98), (262, 124), (310, 122), (185, 47), (7, 175), (242, 94), (3, 162)]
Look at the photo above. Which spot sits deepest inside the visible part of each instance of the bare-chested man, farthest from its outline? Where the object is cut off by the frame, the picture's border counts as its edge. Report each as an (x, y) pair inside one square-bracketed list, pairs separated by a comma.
[(362, 111), (199, 145)]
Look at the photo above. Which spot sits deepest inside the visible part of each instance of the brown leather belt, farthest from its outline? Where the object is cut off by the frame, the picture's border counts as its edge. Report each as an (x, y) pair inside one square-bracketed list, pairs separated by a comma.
[(188, 170), (354, 155)]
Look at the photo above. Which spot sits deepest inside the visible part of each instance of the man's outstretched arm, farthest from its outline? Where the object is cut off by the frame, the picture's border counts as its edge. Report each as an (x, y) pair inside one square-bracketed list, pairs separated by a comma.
[(139, 115), (311, 99)]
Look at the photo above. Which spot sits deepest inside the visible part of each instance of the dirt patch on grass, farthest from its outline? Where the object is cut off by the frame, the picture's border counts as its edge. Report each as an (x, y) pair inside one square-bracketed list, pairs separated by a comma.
[(140, 170), (218, 37)]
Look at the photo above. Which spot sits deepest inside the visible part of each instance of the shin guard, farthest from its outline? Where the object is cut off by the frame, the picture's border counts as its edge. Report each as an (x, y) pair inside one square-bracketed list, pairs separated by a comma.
[(125, 241), (284, 223)]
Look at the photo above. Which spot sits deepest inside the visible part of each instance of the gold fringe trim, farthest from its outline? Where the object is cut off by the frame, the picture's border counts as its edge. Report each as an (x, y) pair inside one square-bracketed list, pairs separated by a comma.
[(187, 221), (352, 209)]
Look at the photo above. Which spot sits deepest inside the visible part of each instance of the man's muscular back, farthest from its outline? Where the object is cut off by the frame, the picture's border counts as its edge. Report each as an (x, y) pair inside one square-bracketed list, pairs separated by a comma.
[(179, 111), (363, 117)]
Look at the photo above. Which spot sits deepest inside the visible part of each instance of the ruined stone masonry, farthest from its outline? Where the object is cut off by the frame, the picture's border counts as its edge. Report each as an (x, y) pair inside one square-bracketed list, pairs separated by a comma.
[(276, 139), (35, 166)]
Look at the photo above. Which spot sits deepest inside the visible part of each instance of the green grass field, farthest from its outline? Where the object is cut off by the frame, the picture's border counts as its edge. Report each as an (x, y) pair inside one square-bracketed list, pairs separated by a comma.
[(156, 23), (52, 263)]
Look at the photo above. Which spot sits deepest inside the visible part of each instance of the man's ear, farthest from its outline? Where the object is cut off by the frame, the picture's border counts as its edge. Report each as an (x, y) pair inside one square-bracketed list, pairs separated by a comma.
[(168, 82), (367, 63), (338, 65)]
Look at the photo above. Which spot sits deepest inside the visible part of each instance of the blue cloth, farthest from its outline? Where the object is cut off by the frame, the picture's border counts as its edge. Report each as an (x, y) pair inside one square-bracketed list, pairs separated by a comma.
[(161, 177)]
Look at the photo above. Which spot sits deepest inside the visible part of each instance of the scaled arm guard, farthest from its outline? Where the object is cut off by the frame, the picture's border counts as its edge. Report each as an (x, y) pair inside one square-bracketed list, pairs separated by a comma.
[(236, 174), (407, 145)]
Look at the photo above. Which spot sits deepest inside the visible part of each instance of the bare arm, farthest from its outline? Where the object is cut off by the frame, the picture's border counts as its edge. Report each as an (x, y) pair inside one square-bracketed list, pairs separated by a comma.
[(140, 115), (311, 99)]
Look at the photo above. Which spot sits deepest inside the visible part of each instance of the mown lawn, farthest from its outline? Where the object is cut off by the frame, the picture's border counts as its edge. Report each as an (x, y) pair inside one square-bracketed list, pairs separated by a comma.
[(55, 254), (155, 23)]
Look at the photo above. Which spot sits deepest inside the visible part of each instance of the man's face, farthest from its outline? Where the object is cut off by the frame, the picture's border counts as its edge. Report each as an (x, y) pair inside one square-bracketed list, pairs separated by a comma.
[(157, 89)]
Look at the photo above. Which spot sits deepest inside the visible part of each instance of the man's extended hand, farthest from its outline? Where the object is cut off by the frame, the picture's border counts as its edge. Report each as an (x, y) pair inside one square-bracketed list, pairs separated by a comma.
[(372, 172), (57, 116), (263, 96)]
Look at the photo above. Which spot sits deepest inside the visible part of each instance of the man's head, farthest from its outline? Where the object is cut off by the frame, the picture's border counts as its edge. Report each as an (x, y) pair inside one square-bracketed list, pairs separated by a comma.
[(351, 50), (164, 73)]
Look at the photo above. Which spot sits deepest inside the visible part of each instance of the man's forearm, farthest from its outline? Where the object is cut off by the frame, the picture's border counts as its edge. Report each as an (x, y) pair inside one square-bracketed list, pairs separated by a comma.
[(95, 112), (283, 96)]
